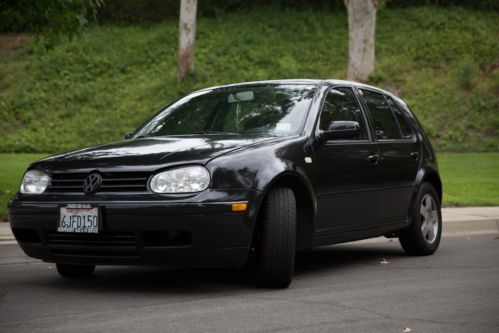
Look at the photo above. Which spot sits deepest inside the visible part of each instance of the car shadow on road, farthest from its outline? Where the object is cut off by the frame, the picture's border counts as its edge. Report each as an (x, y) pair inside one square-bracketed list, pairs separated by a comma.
[(345, 257), (320, 261)]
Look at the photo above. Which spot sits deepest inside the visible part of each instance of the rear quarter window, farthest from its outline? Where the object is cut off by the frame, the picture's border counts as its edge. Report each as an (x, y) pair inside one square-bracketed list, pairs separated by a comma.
[(405, 129), (385, 124)]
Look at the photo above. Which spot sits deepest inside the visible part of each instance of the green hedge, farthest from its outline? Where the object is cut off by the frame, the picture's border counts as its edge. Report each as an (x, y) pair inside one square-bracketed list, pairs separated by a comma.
[(140, 11), (135, 11)]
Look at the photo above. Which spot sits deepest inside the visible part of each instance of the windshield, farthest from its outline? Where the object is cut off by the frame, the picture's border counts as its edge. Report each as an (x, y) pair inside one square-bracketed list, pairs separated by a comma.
[(260, 109)]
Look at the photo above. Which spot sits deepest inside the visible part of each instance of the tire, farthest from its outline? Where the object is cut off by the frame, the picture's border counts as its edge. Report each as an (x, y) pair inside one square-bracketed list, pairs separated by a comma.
[(278, 239), (75, 271), (418, 238)]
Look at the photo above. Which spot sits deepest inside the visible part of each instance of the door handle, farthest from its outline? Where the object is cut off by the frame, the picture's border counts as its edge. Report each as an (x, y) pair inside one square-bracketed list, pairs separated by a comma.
[(415, 155), (374, 159)]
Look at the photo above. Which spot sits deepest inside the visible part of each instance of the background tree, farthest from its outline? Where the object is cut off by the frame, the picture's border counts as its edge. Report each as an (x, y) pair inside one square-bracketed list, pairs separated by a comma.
[(361, 30), (187, 35), (48, 18)]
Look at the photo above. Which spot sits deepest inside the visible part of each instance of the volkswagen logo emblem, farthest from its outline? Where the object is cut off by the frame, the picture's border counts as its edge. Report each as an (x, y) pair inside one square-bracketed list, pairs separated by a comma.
[(92, 183)]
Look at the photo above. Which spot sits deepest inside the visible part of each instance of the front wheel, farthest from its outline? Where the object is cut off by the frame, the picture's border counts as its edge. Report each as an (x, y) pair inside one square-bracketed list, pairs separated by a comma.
[(75, 271), (422, 237), (278, 239)]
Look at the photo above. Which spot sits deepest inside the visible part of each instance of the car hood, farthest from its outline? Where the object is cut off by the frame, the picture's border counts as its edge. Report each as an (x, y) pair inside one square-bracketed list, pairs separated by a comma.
[(149, 153)]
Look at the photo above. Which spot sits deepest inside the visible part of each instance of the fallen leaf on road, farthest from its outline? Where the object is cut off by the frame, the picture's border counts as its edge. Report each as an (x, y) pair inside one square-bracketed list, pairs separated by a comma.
[(407, 329), (384, 262)]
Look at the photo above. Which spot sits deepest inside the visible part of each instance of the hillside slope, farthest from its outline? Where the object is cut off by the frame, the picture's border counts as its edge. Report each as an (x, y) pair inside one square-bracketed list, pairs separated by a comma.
[(444, 62)]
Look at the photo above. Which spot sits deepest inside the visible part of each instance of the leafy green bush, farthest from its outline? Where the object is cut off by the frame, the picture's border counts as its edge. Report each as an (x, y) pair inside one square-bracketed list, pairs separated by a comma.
[(467, 72), (48, 18), (139, 11)]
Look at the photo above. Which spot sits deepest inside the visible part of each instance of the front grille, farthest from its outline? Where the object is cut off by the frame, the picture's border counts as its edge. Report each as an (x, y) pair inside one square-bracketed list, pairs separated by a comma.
[(111, 182), (108, 244), (103, 239), (90, 253)]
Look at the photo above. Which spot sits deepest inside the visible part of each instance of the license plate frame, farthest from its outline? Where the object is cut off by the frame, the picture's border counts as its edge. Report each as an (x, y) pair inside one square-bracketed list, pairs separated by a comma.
[(79, 219)]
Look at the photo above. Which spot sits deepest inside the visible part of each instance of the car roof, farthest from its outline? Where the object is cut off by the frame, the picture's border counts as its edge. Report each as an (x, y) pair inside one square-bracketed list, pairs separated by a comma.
[(316, 82), (263, 82)]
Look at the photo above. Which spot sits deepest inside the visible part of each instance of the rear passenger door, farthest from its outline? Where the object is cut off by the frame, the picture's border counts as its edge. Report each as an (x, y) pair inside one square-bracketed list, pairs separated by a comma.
[(399, 154)]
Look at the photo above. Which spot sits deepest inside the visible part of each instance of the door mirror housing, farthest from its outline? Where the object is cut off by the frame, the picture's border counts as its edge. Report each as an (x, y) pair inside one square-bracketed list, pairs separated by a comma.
[(342, 130), (128, 136)]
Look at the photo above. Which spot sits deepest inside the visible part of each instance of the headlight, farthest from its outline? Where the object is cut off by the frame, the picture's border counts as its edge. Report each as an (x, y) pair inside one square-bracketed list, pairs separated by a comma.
[(34, 182), (181, 180)]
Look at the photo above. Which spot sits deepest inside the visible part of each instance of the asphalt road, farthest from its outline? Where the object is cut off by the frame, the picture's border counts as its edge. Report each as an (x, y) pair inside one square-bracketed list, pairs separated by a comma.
[(342, 288)]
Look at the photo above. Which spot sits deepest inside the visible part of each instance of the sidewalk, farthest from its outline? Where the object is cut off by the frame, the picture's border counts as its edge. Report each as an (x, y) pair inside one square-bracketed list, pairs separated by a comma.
[(457, 221), (470, 220)]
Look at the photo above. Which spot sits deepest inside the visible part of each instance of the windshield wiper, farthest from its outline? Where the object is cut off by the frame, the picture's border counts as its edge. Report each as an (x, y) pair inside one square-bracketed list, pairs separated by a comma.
[(214, 132)]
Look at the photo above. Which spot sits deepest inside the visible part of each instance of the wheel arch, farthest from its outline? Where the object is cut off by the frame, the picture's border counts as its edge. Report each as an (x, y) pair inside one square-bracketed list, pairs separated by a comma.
[(426, 174), (433, 178), (305, 205)]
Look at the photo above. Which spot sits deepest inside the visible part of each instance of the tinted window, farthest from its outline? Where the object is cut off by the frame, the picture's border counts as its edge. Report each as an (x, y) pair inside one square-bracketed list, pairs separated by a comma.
[(340, 104), (405, 128), (385, 124)]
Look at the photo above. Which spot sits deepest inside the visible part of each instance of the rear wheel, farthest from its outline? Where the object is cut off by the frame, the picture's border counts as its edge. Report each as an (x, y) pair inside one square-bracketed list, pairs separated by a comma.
[(422, 237), (278, 239), (75, 271)]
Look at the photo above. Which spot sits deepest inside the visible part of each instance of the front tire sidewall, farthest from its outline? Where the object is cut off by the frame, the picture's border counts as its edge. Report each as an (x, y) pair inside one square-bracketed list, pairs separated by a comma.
[(278, 239)]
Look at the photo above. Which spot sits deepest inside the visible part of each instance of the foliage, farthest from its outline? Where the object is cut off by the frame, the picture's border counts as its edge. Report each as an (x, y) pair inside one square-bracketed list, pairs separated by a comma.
[(51, 18), (103, 85), (139, 11), (469, 179), (467, 73), (480, 4)]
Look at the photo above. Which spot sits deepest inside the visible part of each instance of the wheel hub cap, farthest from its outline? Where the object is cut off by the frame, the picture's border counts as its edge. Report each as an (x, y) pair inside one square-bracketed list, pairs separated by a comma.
[(429, 218)]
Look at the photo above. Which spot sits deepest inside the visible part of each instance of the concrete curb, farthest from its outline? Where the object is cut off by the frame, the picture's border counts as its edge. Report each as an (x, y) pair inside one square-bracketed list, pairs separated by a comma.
[(471, 227), (470, 220)]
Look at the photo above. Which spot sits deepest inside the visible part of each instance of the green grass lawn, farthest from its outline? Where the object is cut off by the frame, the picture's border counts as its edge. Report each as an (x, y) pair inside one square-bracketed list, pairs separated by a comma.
[(469, 179)]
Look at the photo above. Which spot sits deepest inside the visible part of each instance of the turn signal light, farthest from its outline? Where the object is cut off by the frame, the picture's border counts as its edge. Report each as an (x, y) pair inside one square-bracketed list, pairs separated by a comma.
[(239, 207)]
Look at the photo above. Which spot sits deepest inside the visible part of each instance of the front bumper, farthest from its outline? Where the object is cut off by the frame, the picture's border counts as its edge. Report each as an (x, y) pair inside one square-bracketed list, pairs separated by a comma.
[(141, 232)]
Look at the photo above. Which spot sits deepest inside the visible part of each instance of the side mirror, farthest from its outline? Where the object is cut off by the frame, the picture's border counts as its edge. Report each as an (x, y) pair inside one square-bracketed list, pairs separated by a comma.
[(342, 130), (128, 136)]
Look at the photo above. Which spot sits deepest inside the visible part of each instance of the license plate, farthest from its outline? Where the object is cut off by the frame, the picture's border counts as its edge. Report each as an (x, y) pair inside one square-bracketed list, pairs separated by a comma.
[(79, 218)]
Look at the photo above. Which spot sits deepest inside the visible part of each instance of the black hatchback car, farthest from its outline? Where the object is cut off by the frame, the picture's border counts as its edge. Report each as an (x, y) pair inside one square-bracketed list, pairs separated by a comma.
[(259, 169)]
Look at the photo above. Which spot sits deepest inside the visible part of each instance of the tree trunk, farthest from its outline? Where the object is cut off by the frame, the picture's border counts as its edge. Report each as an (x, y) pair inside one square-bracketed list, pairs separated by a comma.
[(361, 29), (187, 35)]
